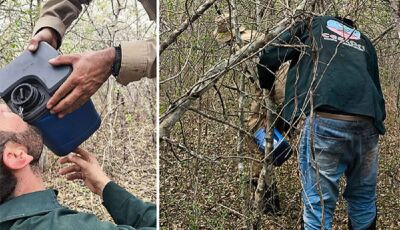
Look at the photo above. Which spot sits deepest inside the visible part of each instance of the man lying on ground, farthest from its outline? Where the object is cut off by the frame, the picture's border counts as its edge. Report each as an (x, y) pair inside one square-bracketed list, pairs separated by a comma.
[(25, 203)]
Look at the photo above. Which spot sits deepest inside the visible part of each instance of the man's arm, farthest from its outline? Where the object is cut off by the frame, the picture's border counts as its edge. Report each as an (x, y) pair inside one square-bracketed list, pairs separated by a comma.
[(59, 15), (151, 8), (138, 61), (138, 58), (125, 208), (273, 56)]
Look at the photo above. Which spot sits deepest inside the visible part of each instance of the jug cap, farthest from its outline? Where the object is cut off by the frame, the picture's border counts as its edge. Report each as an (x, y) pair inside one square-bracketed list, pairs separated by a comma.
[(25, 95)]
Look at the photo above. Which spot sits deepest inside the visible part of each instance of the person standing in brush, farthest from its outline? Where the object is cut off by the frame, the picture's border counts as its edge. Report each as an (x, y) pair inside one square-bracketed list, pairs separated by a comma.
[(333, 81)]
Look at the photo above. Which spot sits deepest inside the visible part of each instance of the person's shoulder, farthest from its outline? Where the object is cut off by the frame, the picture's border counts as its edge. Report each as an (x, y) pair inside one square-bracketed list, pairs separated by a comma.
[(322, 19), (367, 41), (316, 20), (65, 219)]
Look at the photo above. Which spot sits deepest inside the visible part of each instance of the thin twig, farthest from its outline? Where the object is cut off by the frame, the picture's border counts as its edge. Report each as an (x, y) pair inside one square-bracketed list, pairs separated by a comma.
[(175, 34)]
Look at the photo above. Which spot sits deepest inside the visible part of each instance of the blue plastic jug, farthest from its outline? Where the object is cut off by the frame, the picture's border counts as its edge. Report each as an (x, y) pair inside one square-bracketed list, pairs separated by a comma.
[(26, 85), (282, 150)]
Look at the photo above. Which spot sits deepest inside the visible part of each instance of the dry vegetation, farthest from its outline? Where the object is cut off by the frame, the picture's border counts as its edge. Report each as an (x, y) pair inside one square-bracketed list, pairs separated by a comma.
[(201, 186), (125, 145)]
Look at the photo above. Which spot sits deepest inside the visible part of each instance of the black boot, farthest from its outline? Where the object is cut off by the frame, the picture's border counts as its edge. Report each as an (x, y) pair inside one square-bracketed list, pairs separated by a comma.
[(271, 201)]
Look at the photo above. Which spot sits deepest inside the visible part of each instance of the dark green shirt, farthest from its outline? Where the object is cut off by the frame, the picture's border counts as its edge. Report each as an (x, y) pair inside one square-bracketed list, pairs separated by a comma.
[(41, 211), (346, 76)]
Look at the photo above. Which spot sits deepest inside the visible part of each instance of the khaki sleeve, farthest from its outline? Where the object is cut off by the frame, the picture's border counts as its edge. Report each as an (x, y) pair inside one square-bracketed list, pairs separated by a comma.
[(151, 8), (59, 15), (138, 61)]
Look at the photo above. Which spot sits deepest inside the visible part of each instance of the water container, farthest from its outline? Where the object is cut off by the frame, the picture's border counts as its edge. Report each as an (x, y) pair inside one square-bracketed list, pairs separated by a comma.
[(282, 150), (26, 85)]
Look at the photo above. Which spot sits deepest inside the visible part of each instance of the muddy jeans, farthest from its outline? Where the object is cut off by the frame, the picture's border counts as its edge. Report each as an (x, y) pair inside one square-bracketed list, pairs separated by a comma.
[(347, 148)]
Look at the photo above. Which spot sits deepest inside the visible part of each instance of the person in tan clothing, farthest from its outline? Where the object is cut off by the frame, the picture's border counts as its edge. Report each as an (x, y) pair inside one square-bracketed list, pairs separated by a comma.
[(131, 61)]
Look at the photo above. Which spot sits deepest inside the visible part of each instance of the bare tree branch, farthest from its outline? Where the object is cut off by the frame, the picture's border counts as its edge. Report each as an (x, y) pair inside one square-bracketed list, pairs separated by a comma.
[(172, 37), (179, 107), (221, 121), (383, 34), (396, 14), (202, 157)]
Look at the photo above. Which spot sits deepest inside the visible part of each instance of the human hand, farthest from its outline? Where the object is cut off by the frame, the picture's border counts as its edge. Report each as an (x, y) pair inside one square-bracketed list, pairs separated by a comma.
[(47, 34), (90, 71), (85, 167)]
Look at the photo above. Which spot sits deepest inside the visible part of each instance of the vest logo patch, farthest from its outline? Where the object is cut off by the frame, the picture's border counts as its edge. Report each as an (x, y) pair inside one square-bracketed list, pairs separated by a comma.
[(343, 34), (343, 30)]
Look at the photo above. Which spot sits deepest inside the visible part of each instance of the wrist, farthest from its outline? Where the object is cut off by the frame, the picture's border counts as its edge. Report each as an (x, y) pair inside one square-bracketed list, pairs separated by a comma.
[(54, 36), (110, 55), (102, 185)]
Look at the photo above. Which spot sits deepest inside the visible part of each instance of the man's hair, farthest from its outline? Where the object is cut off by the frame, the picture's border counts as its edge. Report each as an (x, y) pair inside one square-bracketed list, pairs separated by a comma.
[(32, 140), (347, 21), (8, 181)]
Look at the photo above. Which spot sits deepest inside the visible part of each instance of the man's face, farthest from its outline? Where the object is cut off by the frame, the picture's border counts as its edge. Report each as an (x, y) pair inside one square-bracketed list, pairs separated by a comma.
[(14, 129), (11, 122)]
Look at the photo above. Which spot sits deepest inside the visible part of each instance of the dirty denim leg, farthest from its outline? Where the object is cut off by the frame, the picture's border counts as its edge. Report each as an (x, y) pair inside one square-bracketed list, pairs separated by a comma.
[(360, 192), (340, 147), (329, 146)]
